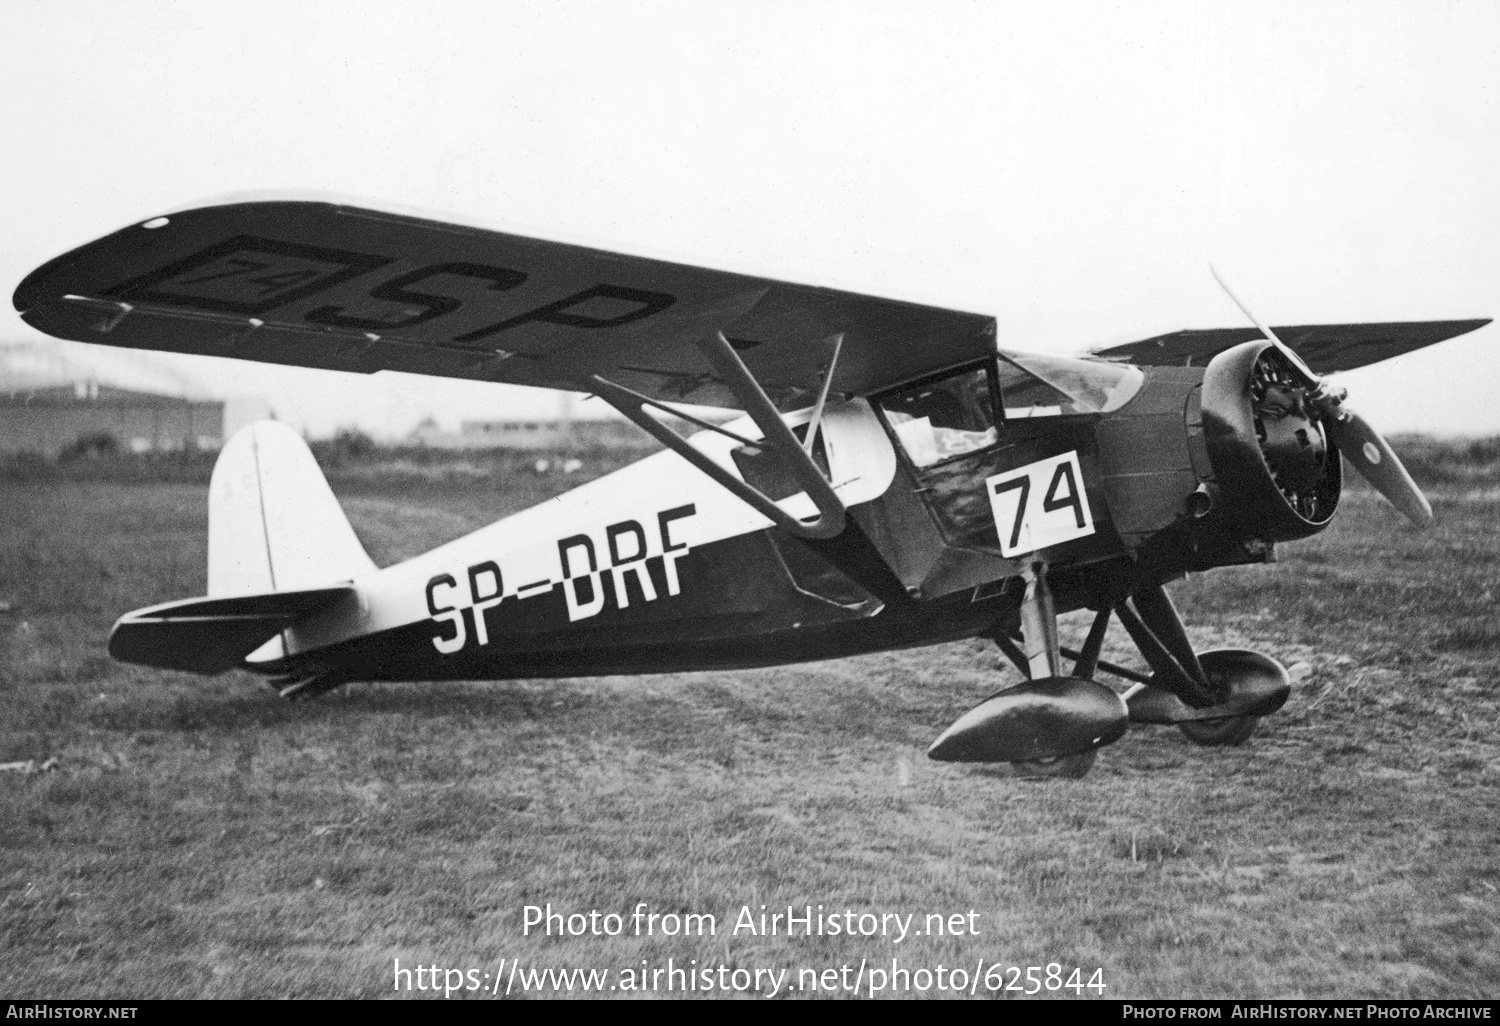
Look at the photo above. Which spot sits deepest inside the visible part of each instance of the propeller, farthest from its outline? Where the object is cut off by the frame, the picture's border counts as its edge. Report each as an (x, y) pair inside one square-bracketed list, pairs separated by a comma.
[(1360, 443)]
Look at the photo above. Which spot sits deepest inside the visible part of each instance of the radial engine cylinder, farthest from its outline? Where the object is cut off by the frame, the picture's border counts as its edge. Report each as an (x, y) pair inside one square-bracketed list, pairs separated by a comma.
[(1279, 472)]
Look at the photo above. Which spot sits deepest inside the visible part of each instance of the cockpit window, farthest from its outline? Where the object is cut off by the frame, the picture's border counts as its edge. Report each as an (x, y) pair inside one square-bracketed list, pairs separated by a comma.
[(1038, 385), (941, 419), (955, 415)]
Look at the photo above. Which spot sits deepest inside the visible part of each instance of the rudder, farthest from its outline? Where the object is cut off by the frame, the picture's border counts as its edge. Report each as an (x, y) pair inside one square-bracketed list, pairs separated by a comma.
[(273, 522)]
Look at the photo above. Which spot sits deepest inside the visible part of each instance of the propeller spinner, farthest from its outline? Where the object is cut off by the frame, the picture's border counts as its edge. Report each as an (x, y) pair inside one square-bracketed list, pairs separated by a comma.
[(1351, 434)]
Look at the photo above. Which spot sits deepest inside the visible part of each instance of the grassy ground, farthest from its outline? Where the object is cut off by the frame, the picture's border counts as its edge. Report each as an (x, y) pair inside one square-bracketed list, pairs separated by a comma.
[(199, 837)]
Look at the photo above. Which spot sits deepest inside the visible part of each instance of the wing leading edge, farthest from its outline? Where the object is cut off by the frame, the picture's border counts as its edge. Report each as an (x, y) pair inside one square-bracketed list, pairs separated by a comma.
[(318, 284), (1326, 348)]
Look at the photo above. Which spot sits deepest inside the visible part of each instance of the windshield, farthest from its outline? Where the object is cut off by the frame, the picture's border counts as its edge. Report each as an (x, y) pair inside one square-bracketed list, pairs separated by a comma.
[(1041, 385)]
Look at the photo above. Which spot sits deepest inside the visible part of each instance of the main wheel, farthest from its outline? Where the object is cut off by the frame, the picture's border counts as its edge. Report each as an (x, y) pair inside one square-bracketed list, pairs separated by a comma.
[(1062, 767), (1220, 733), (1238, 673)]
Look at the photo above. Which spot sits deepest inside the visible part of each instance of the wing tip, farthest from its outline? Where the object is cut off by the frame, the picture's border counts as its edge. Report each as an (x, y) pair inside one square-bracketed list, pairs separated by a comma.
[(1442, 331), (33, 290)]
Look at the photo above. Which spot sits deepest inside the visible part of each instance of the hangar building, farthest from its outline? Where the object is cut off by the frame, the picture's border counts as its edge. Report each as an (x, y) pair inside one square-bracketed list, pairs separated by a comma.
[(52, 396), (48, 420)]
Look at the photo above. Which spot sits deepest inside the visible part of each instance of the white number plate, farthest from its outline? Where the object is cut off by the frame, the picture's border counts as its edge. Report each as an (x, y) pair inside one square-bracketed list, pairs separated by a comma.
[(1040, 504)]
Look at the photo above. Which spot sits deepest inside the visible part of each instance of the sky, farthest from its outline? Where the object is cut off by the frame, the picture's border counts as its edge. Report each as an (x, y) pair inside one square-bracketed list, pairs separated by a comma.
[(1070, 168)]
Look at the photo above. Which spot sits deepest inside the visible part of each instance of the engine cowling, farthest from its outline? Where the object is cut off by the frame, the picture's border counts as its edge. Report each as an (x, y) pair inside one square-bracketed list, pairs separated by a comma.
[(1278, 472)]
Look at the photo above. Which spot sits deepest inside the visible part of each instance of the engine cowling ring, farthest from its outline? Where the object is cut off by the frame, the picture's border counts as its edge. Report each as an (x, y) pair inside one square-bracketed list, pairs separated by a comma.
[(1279, 472)]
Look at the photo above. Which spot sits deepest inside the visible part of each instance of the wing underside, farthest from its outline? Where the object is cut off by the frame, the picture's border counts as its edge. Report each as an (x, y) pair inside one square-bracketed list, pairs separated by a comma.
[(324, 285), (1326, 348)]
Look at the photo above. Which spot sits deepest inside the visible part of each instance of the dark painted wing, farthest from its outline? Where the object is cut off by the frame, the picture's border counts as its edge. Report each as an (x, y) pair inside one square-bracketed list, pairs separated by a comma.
[(1325, 348), (317, 284)]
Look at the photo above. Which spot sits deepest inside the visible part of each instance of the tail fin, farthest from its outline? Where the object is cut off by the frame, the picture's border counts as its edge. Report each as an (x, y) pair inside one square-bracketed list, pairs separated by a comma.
[(273, 522), (279, 551)]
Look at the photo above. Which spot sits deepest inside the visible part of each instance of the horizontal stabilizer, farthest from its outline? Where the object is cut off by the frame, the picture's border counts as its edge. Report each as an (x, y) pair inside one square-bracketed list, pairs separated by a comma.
[(211, 635)]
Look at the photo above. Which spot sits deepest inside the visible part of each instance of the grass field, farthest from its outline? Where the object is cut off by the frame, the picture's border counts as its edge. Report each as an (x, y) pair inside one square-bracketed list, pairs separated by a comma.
[(200, 837)]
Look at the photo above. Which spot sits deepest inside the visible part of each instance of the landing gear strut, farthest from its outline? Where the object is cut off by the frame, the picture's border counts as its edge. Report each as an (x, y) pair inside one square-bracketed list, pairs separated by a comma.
[(1052, 725), (1216, 698), (1049, 726)]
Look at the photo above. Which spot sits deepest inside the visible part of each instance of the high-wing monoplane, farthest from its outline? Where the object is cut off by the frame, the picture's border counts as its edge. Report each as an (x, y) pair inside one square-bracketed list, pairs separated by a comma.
[(896, 479)]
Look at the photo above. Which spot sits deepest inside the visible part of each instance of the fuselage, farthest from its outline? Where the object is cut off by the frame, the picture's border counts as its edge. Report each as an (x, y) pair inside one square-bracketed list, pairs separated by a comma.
[(658, 568)]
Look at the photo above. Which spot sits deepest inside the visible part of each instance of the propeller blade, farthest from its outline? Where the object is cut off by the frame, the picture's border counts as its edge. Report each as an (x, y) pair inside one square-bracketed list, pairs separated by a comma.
[(1371, 455), (1286, 350), (1360, 443)]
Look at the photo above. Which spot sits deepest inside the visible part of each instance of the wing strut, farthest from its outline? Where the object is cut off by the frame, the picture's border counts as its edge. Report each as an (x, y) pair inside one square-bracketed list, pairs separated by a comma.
[(777, 439), (817, 413)]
